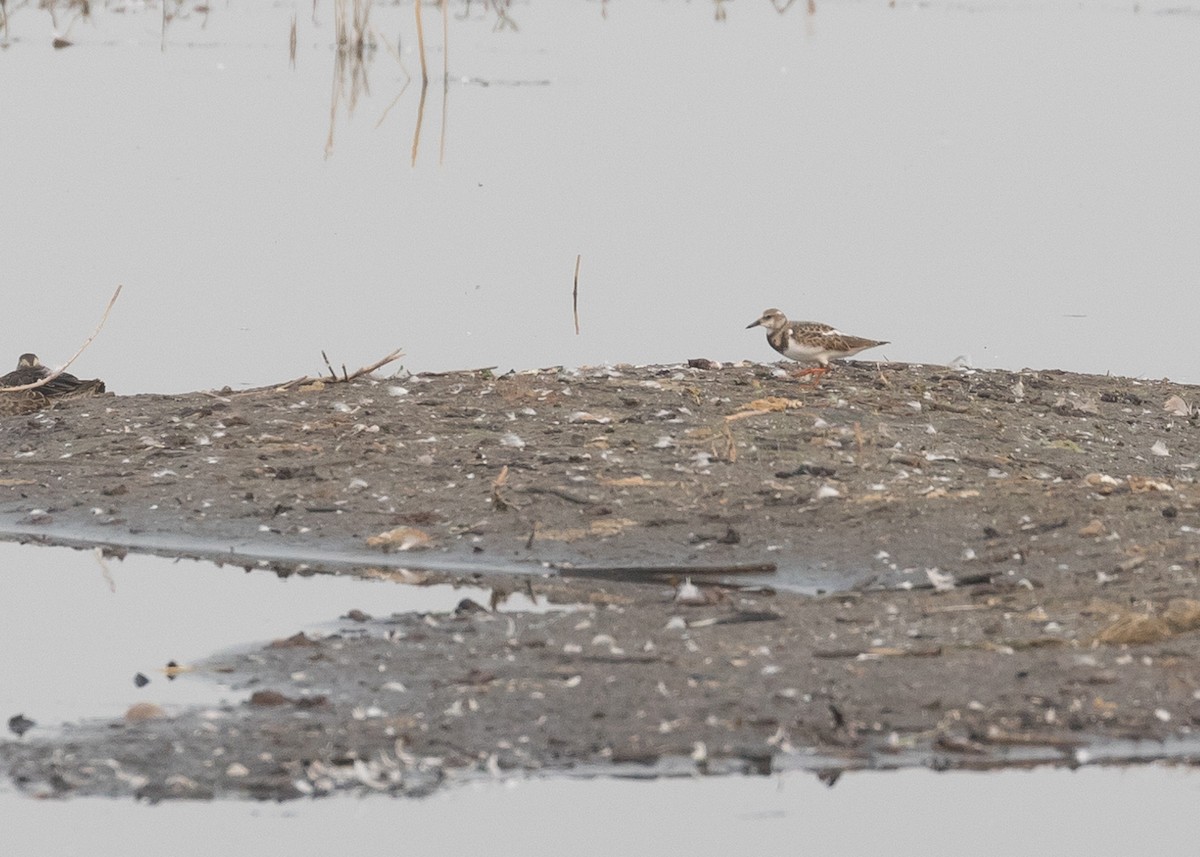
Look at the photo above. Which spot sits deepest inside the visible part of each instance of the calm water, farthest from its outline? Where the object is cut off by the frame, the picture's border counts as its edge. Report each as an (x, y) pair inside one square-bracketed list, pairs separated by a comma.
[(1094, 811), (77, 630), (1009, 181)]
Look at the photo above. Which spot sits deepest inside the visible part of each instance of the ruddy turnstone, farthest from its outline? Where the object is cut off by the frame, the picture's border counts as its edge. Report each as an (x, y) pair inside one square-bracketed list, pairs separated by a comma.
[(30, 370), (810, 341)]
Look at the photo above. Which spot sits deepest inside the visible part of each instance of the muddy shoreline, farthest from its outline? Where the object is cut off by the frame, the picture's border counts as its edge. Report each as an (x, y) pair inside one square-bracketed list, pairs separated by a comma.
[(908, 564)]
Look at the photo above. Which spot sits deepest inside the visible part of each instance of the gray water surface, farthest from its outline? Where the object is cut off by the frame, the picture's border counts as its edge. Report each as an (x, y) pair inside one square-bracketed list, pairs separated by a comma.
[(1012, 183)]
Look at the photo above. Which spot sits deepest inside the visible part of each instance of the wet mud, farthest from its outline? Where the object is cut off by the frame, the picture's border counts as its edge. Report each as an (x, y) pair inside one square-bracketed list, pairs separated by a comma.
[(908, 563)]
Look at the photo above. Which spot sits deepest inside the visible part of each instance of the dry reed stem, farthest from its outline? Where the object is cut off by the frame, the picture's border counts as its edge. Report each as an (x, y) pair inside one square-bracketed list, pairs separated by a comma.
[(82, 348), (575, 293), (346, 377), (421, 44), (416, 143), (292, 43)]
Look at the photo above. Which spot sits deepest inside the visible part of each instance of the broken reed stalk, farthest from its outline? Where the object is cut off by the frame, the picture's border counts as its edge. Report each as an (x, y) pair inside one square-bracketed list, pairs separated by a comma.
[(63, 368), (575, 293), (424, 83), (346, 377), (292, 43), (421, 45), (445, 76), (416, 144)]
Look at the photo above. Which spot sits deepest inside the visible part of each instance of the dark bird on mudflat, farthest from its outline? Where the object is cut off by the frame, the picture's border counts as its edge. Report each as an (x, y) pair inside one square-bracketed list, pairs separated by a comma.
[(30, 370)]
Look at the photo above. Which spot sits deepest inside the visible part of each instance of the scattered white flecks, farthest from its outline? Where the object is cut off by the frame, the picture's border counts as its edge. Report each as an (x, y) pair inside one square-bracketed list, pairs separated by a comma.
[(159, 474), (940, 456), (493, 766), (357, 484), (915, 405), (882, 555), (585, 417), (676, 623), (688, 593), (701, 459), (151, 442), (1103, 577), (1177, 407), (1018, 390), (664, 442), (996, 473), (1162, 714), (699, 752), (819, 423), (770, 669), (781, 740), (1159, 448), (968, 554), (572, 648), (455, 709), (394, 687), (942, 581), (513, 440), (237, 769), (827, 491), (397, 391), (573, 681), (603, 640), (96, 510)]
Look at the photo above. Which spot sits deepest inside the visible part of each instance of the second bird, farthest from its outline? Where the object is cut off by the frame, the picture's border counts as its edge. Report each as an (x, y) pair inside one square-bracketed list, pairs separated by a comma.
[(30, 370)]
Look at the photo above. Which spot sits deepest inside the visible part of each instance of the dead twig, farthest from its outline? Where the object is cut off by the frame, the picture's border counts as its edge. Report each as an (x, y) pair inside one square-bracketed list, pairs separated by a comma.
[(346, 377), (43, 381)]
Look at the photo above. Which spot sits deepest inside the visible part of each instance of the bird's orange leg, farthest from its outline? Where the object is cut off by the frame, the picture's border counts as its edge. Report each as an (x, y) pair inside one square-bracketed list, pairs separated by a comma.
[(818, 371)]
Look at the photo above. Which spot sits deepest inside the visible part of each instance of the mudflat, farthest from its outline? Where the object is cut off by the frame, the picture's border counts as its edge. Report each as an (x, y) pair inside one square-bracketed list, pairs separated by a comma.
[(909, 563)]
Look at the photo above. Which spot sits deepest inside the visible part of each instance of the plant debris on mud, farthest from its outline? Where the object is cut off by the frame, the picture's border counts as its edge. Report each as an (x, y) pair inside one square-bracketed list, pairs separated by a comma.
[(945, 562)]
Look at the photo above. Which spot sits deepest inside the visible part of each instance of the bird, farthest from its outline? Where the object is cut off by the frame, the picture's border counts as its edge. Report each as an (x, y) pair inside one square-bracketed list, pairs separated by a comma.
[(810, 341), (30, 370), (19, 724)]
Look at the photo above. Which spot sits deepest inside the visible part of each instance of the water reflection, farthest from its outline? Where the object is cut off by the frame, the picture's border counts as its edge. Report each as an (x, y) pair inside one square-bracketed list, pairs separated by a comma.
[(909, 812), (86, 626)]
